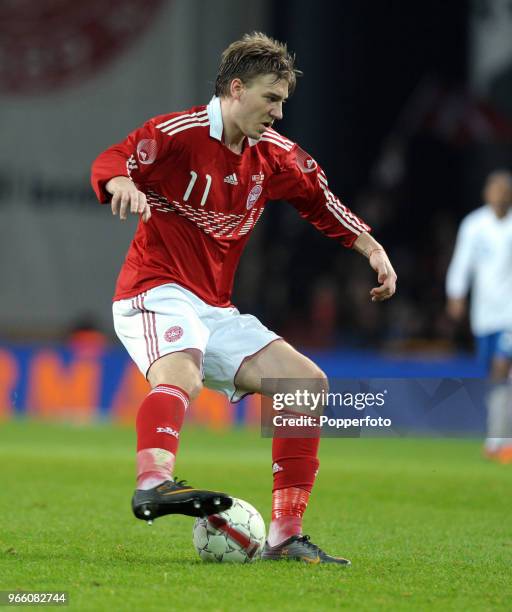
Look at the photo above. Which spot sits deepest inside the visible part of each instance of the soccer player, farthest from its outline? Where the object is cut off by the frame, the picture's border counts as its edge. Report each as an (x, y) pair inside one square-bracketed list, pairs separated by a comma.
[(482, 263), (200, 180)]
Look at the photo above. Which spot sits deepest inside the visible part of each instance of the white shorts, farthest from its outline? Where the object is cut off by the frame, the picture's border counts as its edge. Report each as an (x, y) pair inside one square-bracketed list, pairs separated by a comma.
[(169, 318)]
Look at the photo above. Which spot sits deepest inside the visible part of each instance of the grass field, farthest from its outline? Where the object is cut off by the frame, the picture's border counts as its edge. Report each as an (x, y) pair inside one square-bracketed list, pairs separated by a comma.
[(426, 523)]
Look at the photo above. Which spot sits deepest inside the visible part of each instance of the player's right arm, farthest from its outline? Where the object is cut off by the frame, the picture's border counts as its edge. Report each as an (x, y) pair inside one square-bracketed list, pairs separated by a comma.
[(120, 173), (458, 277)]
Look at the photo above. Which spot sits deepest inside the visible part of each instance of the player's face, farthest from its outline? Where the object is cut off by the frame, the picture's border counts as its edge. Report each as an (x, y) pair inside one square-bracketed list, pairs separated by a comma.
[(260, 104), (498, 194)]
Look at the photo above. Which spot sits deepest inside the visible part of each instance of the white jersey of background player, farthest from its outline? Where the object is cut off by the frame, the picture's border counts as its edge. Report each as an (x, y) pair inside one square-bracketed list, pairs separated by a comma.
[(482, 264)]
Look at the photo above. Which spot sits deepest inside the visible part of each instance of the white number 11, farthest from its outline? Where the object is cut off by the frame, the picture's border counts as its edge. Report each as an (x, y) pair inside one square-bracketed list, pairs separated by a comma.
[(192, 182)]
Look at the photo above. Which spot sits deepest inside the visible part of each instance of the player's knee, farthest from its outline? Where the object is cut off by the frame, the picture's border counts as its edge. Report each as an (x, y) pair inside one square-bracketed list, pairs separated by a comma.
[(196, 386), (319, 379), (323, 382), (189, 379), (177, 370)]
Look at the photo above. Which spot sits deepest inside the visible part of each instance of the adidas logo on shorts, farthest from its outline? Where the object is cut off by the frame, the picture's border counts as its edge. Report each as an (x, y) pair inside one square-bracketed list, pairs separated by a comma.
[(276, 468)]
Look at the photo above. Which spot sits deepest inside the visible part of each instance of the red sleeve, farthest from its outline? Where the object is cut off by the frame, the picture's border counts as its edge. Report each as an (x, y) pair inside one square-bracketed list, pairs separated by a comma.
[(303, 183), (138, 157)]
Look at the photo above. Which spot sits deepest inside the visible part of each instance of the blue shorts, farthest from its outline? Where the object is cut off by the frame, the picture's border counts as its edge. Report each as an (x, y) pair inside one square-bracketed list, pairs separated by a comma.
[(489, 346)]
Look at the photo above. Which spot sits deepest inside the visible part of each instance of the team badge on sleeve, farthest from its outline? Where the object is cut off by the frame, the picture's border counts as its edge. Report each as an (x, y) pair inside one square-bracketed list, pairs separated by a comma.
[(305, 162), (146, 150)]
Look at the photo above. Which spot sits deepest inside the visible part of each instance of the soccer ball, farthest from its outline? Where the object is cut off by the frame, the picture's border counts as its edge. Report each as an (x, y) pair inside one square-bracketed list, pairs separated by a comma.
[(236, 535)]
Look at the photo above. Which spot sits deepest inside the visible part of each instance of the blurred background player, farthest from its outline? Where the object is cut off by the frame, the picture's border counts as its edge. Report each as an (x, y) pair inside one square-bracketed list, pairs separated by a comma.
[(200, 180), (482, 264)]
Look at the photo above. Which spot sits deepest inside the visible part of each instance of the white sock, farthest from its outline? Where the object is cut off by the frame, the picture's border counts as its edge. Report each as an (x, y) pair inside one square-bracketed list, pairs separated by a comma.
[(499, 417)]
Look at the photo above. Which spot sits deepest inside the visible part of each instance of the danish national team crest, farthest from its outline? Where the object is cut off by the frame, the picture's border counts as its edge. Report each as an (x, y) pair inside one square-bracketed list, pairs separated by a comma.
[(253, 196), (173, 333)]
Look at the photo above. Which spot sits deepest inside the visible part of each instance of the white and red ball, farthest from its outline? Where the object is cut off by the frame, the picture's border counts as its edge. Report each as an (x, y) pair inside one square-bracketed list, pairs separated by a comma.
[(236, 535)]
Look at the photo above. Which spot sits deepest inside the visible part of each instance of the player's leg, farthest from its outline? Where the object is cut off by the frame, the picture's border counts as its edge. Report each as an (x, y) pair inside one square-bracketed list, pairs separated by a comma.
[(498, 444), (175, 380), (294, 460), (164, 335), (240, 352), (485, 349)]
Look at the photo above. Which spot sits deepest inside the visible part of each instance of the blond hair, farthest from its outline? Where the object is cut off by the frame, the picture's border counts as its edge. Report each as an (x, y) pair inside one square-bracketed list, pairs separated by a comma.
[(253, 55)]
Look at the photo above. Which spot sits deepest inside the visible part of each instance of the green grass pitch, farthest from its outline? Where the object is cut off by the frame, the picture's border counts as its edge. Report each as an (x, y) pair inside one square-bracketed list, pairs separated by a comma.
[(426, 523)]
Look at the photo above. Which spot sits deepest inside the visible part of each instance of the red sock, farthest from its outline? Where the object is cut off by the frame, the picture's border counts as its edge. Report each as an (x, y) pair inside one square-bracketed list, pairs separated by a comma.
[(295, 466), (159, 423), (288, 507)]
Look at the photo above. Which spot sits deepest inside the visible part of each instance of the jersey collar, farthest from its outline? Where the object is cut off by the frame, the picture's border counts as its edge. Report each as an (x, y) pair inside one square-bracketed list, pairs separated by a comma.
[(215, 117)]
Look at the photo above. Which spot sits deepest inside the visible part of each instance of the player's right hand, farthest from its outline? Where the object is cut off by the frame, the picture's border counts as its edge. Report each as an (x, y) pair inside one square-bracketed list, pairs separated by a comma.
[(127, 198)]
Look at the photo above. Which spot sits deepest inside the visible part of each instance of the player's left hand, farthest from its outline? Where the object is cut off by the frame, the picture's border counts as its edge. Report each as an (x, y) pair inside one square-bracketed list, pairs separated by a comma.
[(386, 276)]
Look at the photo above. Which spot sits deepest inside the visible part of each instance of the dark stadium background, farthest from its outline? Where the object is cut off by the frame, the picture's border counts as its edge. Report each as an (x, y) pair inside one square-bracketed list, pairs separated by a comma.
[(396, 103), (366, 64)]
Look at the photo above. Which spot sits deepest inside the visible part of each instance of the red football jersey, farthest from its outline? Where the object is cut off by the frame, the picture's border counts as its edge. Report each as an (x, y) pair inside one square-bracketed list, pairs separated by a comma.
[(205, 199)]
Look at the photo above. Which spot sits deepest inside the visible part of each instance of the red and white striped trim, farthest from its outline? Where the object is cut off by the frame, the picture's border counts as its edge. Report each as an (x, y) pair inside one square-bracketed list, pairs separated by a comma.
[(184, 122), (170, 123), (279, 143), (340, 211), (278, 136), (188, 126), (149, 326), (175, 392)]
